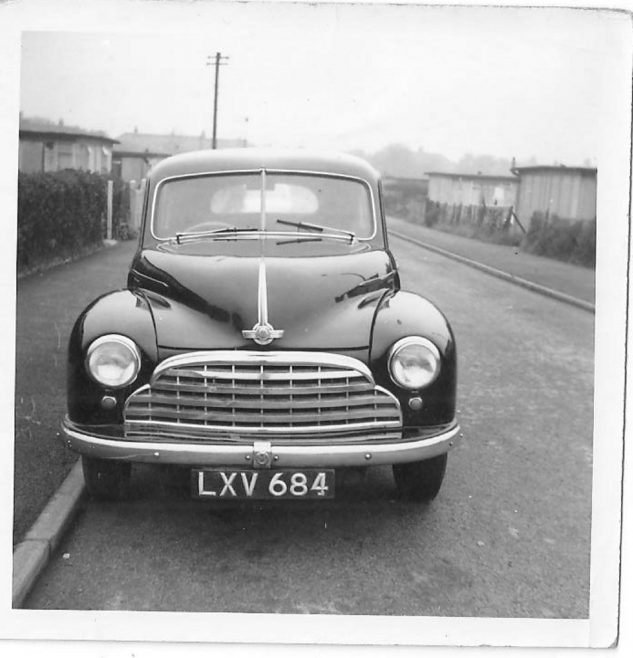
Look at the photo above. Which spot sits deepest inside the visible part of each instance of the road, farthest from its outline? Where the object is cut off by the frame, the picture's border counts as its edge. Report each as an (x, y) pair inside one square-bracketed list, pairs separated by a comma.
[(508, 536)]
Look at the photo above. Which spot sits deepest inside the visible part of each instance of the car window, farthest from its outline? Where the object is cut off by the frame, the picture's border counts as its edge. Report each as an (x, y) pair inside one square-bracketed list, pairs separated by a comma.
[(216, 201)]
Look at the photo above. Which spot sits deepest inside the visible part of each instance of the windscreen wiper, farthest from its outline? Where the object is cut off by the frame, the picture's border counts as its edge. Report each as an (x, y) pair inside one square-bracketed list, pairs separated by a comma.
[(319, 228), (306, 239), (228, 230)]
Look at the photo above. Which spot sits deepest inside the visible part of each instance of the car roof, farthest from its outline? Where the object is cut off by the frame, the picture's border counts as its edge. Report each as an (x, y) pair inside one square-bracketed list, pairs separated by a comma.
[(241, 159)]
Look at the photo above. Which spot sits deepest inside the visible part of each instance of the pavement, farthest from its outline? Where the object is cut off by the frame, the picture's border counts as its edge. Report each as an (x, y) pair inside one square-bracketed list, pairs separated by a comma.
[(48, 304), (46, 487), (572, 281)]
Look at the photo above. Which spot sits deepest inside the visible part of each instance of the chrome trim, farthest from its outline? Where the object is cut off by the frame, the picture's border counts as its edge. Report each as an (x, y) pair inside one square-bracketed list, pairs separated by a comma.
[(251, 357), (250, 432), (113, 338), (414, 340), (140, 275), (284, 456), (262, 202), (183, 434), (238, 172), (229, 394), (262, 332), (262, 454)]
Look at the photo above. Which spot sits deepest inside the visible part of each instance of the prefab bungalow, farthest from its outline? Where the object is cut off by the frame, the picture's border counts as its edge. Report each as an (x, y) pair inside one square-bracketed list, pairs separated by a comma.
[(48, 146)]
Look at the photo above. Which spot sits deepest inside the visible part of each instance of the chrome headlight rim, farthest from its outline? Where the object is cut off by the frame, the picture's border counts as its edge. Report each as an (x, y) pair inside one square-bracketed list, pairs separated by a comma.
[(399, 345), (126, 342)]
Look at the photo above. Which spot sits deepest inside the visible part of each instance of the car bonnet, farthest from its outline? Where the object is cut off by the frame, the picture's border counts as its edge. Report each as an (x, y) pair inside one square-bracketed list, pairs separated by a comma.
[(215, 302)]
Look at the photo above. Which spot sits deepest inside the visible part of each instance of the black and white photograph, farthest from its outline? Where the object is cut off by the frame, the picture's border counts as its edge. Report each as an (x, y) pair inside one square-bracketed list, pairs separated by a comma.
[(316, 320)]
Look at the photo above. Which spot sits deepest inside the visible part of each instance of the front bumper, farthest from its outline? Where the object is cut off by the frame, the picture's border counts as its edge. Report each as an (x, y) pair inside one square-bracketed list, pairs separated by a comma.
[(262, 454)]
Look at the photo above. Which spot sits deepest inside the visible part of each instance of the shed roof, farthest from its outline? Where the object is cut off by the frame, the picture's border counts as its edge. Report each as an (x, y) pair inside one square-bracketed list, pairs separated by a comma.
[(488, 177), (401, 179), (46, 128), (164, 145), (553, 169)]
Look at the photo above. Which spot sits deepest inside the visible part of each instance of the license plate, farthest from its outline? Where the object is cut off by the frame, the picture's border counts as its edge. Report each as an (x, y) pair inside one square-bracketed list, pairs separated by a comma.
[(230, 484)]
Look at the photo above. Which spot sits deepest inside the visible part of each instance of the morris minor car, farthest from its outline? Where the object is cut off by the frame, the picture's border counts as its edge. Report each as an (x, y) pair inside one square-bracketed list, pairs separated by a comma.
[(263, 340)]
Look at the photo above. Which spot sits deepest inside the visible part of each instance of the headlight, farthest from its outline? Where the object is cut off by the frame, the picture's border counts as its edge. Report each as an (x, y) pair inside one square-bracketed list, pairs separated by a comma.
[(113, 361), (414, 362)]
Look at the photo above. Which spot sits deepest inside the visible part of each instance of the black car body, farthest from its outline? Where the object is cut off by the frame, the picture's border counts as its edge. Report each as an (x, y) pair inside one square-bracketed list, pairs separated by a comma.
[(263, 332)]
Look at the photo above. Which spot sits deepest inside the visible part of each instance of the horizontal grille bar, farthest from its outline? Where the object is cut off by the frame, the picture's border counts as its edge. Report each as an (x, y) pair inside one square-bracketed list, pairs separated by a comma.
[(258, 418), (170, 432), (215, 395), (257, 375), (243, 389), (143, 401)]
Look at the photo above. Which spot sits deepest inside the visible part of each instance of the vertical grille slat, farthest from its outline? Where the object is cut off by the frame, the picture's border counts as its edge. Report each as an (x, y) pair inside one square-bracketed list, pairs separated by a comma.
[(211, 394)]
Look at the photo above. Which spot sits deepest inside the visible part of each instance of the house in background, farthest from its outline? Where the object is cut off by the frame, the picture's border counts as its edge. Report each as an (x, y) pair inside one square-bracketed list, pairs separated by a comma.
[(49, 146), (137, 152), (568, 193), (472, 189)]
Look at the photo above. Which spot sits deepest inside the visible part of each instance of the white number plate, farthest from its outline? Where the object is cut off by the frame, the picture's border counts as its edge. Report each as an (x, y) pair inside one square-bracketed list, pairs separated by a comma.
[(229, 484)]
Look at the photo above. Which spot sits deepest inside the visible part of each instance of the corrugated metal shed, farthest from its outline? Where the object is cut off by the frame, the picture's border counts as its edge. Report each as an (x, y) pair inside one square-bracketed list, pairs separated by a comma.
[(566, 192), (472, 189)]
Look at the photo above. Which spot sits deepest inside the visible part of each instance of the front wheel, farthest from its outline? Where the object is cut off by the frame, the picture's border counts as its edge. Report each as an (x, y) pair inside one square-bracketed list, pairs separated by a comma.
[(106, 479), (420, 481)]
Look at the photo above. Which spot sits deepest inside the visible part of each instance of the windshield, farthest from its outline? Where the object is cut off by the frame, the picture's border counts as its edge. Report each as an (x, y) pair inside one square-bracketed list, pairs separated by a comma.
[(294, 203)]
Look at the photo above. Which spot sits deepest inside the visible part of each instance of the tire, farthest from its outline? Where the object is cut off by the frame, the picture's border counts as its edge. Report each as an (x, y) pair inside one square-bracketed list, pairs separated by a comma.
[(420, 481), (106, 479)]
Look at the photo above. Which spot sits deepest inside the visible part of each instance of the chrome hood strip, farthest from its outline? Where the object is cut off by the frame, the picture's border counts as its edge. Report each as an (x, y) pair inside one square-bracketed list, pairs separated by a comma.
[(263, 332)]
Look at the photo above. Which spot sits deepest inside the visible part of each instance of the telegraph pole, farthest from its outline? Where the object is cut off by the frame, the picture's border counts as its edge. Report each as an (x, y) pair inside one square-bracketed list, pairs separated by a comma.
[(219, 60)]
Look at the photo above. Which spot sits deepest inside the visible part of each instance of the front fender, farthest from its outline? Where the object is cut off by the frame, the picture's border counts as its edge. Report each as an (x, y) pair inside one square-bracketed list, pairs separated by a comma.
[(403, 314), (121, 312)]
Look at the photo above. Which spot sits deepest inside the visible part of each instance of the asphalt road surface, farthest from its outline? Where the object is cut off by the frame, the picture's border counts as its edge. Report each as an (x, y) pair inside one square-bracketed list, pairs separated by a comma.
[(508, 535)]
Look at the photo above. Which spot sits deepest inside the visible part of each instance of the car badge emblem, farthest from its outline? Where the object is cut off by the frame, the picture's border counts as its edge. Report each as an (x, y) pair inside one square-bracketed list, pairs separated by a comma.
[(263, 333)]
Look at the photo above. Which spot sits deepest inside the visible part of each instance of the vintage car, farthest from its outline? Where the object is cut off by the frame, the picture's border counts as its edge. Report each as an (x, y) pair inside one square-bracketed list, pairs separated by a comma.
[(263, 340)]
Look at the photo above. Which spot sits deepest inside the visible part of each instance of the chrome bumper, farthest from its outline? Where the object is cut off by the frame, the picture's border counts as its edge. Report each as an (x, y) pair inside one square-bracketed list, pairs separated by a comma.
[(260, 454)]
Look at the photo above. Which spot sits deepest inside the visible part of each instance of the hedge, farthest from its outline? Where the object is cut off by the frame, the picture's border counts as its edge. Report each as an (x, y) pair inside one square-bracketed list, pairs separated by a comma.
[(63, 214), (552, 236), (572, 241)]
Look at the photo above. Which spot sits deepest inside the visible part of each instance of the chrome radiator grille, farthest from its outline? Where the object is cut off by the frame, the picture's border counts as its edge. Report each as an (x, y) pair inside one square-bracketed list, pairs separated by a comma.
[(239, 396)]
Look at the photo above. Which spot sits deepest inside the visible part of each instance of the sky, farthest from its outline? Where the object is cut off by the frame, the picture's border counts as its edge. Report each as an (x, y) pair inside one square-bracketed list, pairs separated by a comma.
[(507, 82)]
